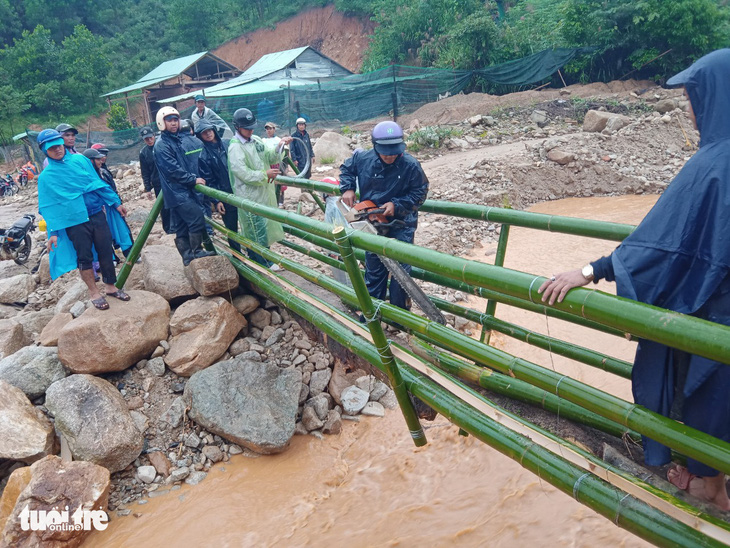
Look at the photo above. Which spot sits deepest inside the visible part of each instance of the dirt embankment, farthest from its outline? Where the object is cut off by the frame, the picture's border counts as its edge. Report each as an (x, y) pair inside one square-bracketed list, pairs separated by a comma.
[(341, 38)]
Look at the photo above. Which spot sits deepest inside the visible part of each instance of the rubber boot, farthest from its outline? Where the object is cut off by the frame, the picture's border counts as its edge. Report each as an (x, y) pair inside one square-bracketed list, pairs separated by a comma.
[(183, 247), (197, 251)]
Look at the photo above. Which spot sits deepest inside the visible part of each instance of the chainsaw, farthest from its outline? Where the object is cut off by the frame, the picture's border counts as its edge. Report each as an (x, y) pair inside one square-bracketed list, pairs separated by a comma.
[(367, 217)]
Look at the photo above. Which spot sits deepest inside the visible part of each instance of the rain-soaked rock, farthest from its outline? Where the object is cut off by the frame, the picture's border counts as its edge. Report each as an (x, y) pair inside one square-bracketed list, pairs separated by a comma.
[(11, 337), (16, 289), (32, 369), (252, 404), (93, 417), (54, 485), (102, 341), (52, 330), (202, 330), (212, 275), (26, 434), (164, 274)]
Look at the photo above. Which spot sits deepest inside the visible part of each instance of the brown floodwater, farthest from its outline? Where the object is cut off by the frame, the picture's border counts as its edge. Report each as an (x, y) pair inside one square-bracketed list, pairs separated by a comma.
[(371, 487)]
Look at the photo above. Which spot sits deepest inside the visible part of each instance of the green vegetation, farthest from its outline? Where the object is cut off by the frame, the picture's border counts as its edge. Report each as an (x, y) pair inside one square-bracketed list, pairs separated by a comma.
[(430, 137), (117, 119), (327, 160)]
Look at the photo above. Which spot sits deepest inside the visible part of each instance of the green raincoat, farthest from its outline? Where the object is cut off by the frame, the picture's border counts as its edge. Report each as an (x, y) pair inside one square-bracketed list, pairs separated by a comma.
[(247, 165)]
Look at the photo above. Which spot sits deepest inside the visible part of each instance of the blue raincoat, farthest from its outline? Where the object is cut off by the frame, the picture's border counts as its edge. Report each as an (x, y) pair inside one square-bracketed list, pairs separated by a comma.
[(61, 189), (679, 258)]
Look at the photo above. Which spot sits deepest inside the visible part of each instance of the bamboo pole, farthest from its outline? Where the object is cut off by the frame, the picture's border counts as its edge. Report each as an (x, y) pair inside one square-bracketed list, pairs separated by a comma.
[(685, 440), (626, 511), (381, 342), (139, 242), (680, 331), (428, 276), (551, 344), (540, 221), (557, 346), (518, 390), (314, 196), (498, 261)]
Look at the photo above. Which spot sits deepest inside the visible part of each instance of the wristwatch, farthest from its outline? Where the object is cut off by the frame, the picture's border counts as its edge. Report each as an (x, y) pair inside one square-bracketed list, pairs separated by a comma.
[(587, 272)]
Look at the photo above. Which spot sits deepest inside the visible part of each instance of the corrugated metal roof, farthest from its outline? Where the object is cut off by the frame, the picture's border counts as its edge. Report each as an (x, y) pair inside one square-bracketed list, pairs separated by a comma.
[(248, 88), (165, 71), (271, 62)]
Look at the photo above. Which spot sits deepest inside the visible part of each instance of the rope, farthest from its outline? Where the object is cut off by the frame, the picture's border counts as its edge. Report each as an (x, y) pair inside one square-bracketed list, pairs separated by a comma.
[(618, 508), (576, 486)]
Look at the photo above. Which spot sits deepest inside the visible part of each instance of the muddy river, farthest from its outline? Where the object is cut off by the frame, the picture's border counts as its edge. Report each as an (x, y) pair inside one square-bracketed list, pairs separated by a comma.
[(371, 487)]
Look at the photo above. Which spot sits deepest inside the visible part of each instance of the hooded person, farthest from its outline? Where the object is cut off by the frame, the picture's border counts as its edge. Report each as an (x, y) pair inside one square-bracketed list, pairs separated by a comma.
[(178, 181), (394, 180), (679, 258), (120, 231), (69, 133), (249, 161), (202, 112), (213, 167), (75, 203)]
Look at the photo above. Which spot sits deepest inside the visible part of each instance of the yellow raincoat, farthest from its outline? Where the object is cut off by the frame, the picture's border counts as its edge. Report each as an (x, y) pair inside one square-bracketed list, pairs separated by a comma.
[(247, 165)]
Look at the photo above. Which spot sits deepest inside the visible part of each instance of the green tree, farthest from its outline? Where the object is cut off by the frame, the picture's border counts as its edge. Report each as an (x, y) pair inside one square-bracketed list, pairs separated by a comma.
[(14, 103), (196, 23), (86, 66), (117, 119)]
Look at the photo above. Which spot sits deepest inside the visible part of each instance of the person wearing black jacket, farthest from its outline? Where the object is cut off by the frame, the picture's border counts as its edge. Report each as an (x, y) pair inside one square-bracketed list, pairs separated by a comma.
[(213, 167), (178, 187), (150, 175), (300, 150), (394, 181)]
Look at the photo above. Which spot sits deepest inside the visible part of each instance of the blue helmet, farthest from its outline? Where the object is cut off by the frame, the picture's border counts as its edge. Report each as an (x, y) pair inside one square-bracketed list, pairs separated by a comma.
[(49, 138), (387, 139)]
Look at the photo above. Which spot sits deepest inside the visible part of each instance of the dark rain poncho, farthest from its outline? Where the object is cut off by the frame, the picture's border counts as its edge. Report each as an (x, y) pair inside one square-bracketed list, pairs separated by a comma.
[(679, 258)]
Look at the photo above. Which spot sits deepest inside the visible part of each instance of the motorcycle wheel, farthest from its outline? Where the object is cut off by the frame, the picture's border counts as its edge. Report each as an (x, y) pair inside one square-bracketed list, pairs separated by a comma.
[(23, 251)]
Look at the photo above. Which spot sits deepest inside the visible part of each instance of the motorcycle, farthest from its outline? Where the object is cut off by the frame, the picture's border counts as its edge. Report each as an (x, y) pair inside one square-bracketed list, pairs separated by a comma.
[(7, 186), (22, 178), (15, 242)]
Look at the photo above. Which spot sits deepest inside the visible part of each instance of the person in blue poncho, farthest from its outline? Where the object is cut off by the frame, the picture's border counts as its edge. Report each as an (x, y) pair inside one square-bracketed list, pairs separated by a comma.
[(679, 258), (74, 202)]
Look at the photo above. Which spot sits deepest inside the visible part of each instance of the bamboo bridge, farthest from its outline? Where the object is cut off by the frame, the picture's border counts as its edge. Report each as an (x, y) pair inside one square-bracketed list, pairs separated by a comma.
[(444, 367)]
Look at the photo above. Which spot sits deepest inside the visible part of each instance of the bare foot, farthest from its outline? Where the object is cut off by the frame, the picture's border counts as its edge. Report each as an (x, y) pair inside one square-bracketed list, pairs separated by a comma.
[(709, 488)]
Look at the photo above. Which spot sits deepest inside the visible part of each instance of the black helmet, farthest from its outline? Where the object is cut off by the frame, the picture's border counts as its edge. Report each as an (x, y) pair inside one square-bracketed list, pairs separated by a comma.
[(186, 125), (62, 128), (93, 154), (244, 119)]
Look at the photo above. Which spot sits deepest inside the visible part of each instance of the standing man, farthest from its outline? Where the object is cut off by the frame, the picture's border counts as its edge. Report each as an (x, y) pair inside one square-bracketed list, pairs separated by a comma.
[(73, 200), (272, 140), (150, 175), (395, 181), (300, 150), (250, 173), (203, 112), (213, 167), (178, 187)]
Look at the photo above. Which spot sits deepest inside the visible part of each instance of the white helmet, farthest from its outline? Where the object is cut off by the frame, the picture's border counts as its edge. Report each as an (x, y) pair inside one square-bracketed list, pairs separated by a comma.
[(162, 113)]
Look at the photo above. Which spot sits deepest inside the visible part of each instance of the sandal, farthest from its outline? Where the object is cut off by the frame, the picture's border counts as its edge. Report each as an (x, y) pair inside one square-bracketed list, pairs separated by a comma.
[(119, 294), (683, 479), (100, 303)]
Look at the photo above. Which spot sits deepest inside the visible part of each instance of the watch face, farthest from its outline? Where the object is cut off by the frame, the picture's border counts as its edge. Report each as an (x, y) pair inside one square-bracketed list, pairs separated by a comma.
[(587, 272)]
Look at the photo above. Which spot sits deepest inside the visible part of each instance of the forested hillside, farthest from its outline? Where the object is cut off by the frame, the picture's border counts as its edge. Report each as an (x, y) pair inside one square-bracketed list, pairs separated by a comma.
[(57, 58)]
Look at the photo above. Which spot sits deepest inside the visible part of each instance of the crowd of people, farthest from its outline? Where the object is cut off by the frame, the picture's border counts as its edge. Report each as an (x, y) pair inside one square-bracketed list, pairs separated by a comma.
[(678, 257)]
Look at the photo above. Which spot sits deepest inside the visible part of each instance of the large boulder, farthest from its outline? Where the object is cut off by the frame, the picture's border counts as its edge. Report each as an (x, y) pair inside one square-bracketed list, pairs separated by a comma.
[(52, 330), (8, 269), (212, 275), (252, 404), (202, 330), (164, 274), (93, 417), (333, 148), (101, 341), (596, 121), (32, 369), (11, 337), (16, 289), (53, 484), (74, 292), (44, 270), (26, 434), (33, 323)]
